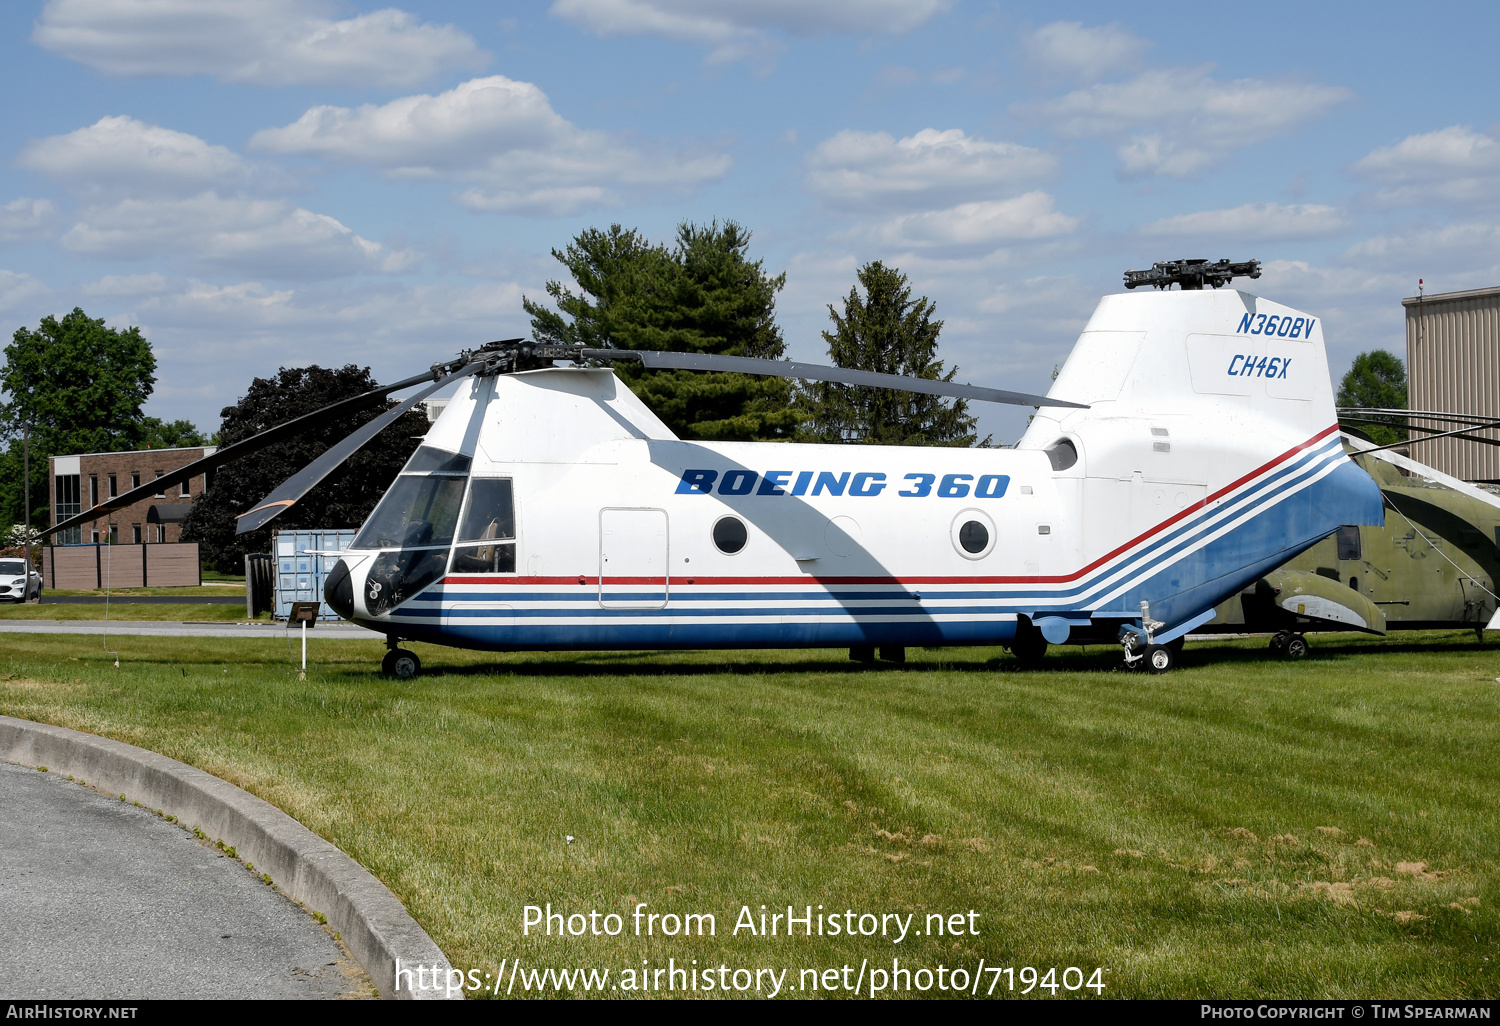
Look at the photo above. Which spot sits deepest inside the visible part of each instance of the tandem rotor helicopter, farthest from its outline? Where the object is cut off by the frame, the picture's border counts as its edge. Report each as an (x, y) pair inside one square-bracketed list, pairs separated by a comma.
[(1188, 446)]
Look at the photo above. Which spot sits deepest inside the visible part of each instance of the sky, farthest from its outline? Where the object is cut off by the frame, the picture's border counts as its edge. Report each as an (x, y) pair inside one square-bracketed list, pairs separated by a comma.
[(267, 183)]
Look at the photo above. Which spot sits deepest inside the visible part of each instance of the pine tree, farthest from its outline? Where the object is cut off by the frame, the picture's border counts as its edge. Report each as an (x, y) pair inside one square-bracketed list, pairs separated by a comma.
[(885, 330), (704, 295)]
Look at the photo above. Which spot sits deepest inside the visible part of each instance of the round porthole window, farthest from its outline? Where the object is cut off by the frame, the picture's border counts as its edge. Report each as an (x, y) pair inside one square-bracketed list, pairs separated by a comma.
[(730, 535), (973, 534)]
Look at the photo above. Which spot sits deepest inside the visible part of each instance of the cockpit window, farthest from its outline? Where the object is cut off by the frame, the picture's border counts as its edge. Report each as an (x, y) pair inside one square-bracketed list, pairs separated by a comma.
[(491, 512), (427, 460), (416, 512)]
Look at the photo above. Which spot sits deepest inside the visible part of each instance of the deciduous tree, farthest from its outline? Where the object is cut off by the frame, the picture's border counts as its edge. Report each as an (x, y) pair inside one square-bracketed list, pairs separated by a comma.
[(1377, 380), (344, 499), (74, 385)]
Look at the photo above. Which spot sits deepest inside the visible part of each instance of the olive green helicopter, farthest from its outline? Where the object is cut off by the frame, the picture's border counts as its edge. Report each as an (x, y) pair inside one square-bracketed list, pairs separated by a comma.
[(1434, 565)]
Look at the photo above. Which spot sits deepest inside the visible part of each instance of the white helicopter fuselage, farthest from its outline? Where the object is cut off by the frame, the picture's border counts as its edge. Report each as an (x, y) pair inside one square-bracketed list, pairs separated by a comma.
[(551, 509)]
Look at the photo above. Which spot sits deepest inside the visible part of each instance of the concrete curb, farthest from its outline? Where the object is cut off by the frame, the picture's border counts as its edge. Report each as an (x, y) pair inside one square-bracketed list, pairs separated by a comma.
[(374, 925)]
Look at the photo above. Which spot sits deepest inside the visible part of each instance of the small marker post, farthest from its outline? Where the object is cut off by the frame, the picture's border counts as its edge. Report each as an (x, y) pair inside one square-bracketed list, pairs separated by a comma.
[(305, 613)]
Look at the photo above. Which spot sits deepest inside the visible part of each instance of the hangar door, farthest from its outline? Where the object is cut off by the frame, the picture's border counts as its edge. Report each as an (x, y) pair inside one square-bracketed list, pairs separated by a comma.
[(632, 558)]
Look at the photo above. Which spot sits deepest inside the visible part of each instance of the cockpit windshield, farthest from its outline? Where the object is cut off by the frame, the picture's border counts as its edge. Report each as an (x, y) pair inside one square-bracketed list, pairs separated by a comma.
[(428, 460), (416, 512)]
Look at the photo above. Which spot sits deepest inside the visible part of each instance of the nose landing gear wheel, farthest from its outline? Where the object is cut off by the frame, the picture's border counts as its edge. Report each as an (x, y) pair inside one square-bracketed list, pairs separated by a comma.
[(401, 664), (1295, 647)]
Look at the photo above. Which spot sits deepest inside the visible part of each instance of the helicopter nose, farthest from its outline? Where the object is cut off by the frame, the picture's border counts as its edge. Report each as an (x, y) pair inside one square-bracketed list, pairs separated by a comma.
[(338, 590)]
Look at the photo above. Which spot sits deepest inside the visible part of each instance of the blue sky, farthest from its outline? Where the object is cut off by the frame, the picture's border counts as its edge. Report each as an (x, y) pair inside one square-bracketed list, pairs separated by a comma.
[(277, 182)]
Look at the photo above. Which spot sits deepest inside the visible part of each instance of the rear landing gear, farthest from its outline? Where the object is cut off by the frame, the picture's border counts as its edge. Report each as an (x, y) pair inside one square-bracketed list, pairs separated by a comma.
[(866, 653), (399, 662), (1160, 658), (1289, 645)]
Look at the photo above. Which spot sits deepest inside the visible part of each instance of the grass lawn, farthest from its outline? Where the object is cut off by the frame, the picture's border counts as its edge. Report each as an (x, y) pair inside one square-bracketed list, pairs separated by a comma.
[(1237, 828)]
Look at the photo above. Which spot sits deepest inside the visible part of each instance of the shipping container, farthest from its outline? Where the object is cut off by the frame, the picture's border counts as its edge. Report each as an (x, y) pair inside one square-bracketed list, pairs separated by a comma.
[(303, 559)]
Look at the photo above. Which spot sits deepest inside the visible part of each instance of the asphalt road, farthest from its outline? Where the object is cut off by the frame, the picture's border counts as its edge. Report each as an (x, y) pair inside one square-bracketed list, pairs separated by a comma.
[(101, 899)]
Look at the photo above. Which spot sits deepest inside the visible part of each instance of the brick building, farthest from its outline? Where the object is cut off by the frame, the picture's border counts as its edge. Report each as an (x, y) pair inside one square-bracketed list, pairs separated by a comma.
[(80, 482)]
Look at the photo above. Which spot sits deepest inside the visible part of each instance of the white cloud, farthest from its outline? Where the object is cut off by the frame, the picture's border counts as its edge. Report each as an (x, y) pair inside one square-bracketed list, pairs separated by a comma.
[(1180, 121), (985, 223), (501, 135), (1454, 164), (127, 285), (1254, 221), (259, 236), (152, 191), (1474, 244), (1088, 54), (25, 219), (740, 28), (16, 288), (875, 170), (267, 42), (121, 154)]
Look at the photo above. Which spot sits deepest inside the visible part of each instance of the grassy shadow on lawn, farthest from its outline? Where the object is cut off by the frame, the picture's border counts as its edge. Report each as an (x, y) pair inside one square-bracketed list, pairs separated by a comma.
[(1242, 827)]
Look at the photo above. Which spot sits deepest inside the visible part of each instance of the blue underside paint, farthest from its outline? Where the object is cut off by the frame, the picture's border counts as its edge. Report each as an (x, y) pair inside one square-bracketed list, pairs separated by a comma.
[(1178, 589)]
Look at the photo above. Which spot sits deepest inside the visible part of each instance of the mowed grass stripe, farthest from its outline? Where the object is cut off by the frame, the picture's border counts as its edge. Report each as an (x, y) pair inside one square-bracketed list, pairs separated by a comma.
[(1166, 828)]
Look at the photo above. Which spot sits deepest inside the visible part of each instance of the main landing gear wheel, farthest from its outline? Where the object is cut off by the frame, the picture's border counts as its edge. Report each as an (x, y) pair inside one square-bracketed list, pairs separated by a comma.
[(401, 664), (1289, 645), (1159, 658)]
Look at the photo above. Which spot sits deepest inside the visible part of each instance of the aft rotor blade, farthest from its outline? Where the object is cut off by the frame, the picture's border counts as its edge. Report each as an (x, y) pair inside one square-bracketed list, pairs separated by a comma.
[(230, 453), (819, 372), (302, 482)]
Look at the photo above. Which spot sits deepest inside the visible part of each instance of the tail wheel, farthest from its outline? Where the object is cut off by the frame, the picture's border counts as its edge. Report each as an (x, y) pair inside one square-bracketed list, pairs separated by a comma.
[(1160, 658), (401, 664), (1296, 647)]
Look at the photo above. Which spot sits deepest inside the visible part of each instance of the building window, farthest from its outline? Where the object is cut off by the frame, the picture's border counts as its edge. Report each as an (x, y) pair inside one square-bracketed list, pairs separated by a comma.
[(161, 532), (114, 487), (94, 537), (163, 493), (135, 481), (135, 534), (94, 490), (67, 497), (114, 534), (184, 490)]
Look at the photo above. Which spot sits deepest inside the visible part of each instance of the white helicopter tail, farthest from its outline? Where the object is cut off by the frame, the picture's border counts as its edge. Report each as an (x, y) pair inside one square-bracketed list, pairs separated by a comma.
[(1209, 453)]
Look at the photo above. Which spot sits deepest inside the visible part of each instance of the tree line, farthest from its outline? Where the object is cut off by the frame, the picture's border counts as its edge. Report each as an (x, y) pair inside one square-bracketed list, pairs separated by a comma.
[(74, 385)]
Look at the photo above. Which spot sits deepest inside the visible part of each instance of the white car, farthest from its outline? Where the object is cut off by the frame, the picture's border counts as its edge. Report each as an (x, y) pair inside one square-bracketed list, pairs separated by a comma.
[(18, 581)]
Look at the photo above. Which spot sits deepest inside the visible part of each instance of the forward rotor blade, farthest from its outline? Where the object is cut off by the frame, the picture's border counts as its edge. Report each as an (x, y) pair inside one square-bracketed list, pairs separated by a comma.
[(819, 372), (230, 453), (302, 482)]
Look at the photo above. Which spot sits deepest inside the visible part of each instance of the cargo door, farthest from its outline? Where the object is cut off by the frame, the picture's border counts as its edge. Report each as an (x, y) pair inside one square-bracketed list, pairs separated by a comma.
[(632, 558)]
